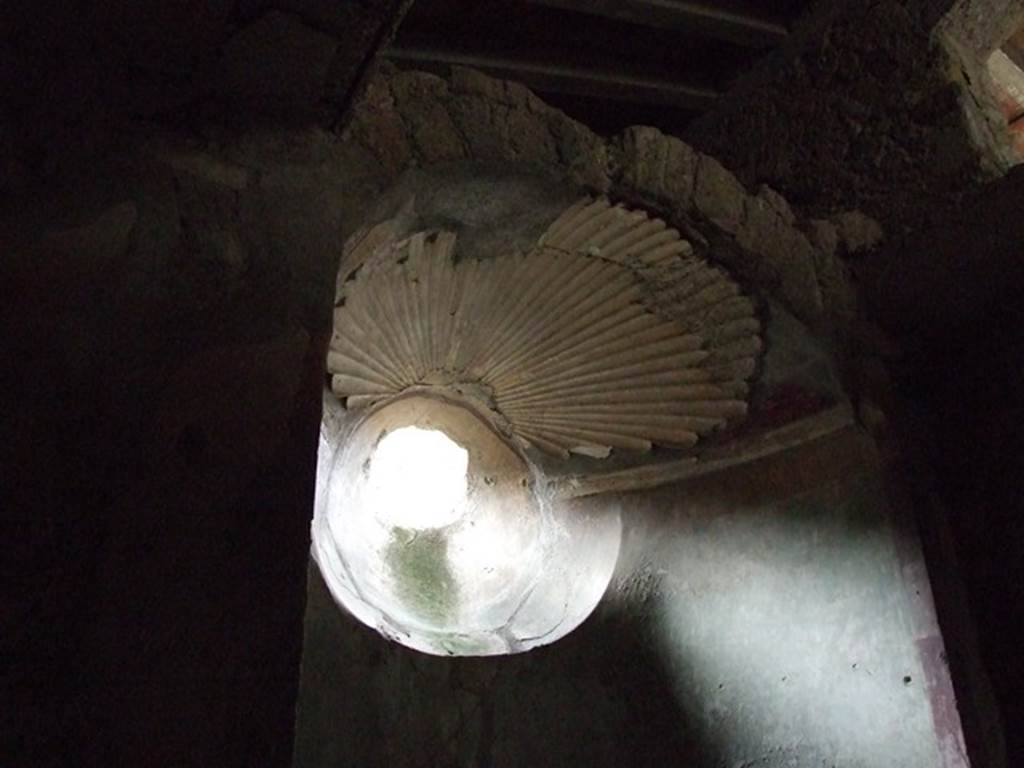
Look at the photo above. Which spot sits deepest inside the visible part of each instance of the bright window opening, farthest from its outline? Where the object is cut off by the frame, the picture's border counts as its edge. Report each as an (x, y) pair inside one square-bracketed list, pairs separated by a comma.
[(417, 479)]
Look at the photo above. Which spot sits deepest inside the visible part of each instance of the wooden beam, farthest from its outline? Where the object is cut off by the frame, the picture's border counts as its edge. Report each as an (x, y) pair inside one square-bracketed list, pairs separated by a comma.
[(714, 21), (549, 78)]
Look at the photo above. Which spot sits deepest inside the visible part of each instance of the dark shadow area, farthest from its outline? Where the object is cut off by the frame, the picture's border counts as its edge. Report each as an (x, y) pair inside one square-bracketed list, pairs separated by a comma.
[(598, 697), (962, 388), (158, 472), (966, 410), (969, 406)]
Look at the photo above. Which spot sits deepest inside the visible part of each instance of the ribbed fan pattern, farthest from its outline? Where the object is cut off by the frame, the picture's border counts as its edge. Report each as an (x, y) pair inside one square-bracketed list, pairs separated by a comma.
[(609, 334)]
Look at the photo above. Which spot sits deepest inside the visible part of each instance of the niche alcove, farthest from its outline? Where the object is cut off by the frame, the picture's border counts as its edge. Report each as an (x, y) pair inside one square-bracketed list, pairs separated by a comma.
[(435, 532), (698, 523), (606, 334)]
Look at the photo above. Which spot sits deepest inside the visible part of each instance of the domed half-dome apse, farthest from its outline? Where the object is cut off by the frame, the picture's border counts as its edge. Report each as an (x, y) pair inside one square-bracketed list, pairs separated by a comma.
[(470, 378)]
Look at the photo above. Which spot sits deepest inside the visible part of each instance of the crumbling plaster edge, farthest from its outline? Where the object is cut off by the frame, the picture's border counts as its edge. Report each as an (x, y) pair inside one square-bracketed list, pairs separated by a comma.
[(413, 119), (965, 37)]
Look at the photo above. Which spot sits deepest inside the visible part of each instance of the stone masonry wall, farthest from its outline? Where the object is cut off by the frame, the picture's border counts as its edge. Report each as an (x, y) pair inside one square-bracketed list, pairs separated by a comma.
[(411, 119), (864, 102)]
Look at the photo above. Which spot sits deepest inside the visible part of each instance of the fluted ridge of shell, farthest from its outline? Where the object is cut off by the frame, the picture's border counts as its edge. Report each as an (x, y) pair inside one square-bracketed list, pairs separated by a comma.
[(610, 334)]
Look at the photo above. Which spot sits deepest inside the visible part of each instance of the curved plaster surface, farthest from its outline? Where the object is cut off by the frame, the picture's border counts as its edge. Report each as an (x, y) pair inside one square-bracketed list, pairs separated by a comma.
[(507, 573)]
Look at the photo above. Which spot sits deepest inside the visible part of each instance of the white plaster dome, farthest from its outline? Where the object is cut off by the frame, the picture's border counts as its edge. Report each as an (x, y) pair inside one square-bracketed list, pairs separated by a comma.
[(437, 532)]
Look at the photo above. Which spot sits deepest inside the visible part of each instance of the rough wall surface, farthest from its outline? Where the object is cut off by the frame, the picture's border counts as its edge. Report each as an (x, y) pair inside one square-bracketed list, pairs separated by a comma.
[(979, 24), (772, 617), (862, 103), (888, 104), (410, 119)]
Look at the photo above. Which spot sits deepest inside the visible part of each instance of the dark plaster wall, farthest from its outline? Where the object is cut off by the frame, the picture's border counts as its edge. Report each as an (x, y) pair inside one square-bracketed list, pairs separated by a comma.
[(165, 352), (776, 615), (167, 271), (952, 295)]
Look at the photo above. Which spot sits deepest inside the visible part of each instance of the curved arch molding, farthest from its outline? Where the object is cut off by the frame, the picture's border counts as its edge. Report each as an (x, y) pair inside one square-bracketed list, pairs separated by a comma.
[(609, 334)]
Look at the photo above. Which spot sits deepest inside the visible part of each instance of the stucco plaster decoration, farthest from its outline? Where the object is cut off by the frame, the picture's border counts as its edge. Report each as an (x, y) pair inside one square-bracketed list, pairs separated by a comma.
[(609, 334)]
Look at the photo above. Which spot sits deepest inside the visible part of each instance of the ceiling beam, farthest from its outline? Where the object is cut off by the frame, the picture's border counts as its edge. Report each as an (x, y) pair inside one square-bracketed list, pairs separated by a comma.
[(735, 26), (550, 78)]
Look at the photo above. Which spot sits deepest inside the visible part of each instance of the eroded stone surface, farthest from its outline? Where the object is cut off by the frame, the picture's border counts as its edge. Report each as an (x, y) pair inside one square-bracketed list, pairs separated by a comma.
[(190, 282), (416, 119), (879, 103)]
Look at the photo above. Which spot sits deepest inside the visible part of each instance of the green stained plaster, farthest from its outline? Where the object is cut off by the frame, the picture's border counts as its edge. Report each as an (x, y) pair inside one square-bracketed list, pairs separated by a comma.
[(418, 562)]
